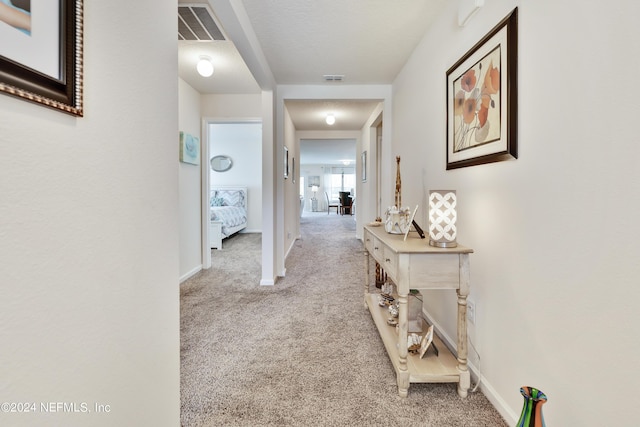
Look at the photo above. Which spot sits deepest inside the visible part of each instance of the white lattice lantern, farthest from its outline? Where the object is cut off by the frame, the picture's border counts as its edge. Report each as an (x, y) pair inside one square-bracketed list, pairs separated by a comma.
[(442, 218)]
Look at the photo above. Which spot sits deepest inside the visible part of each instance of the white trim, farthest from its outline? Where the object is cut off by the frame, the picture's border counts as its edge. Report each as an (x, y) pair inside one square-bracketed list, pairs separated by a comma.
[(204, 197), (293, 242), (265, 282), (206, 179), (487, 389), (191, 273)]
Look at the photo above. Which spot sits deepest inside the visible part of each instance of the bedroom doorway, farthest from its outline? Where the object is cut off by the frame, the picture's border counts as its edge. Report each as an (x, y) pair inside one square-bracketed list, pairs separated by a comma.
[(240, 144)]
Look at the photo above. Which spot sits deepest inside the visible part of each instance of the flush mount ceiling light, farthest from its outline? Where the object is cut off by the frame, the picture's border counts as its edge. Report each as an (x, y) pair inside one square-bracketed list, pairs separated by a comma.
[(331, 119), (205, 66)]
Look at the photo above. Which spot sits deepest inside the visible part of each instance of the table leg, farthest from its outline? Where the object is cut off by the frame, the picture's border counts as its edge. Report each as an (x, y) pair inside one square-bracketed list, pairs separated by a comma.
[(366, 276), (403, 322), (463, 291)]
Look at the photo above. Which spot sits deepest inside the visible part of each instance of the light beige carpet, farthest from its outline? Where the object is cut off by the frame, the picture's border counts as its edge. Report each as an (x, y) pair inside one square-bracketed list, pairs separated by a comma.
[(304, 352)]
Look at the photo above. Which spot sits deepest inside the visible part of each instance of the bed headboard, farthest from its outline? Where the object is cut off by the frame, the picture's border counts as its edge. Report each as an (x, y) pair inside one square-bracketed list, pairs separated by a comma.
[(228, 196)]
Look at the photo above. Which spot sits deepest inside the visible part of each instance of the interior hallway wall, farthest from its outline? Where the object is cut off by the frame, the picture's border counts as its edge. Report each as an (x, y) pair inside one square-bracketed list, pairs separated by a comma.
[(89, 232), (190, 184), (555, 232)]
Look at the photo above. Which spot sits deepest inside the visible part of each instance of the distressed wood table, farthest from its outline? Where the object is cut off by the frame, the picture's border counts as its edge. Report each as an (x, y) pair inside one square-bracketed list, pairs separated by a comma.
[(413, 264)]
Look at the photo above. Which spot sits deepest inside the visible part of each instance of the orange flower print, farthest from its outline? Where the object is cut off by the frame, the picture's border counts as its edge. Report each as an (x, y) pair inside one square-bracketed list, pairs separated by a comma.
[(469, 80), (458, 103), (491, 80), (482, 133), (483, 114), (476, 104), (469, 110)]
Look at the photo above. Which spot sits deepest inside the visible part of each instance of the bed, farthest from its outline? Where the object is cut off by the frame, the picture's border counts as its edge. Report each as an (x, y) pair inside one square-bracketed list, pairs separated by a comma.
[(228, 206)]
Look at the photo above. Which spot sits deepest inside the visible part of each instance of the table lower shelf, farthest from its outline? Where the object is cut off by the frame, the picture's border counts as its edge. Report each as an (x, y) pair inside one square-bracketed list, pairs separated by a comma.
[(442, 368)]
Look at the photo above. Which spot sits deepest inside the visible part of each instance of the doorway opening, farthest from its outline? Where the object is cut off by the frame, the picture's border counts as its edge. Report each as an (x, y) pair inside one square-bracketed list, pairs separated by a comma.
[(239, 143)]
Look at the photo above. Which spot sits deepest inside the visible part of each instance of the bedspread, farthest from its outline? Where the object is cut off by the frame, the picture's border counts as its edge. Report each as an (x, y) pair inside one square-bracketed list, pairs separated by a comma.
[(231, 216)]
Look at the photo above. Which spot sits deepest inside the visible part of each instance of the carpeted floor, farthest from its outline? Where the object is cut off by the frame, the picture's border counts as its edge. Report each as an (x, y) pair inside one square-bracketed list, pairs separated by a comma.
[(304, 352)]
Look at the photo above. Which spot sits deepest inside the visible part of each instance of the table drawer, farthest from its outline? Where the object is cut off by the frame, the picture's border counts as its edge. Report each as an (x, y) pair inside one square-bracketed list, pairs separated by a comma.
[(389, 261), (368, 242)]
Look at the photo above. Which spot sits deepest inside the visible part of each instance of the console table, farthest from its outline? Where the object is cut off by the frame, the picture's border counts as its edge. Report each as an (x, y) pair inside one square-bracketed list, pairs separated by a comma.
[(413, 264)]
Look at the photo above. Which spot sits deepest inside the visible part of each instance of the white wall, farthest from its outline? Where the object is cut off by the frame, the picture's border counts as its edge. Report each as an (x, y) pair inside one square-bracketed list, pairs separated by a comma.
[(291, 186), (366, 198), (555, 270), (89, 232), (242, 141), (190, 185), (240, 106)]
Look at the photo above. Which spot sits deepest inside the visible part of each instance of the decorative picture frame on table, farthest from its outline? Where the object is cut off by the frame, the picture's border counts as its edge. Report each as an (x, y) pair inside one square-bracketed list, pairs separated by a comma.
[(482, 99), (41, 55), (363, 164), (286, 163)]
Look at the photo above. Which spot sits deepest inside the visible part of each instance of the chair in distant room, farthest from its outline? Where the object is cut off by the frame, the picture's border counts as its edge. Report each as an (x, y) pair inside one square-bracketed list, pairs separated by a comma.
[(345, 203), (331, 204)]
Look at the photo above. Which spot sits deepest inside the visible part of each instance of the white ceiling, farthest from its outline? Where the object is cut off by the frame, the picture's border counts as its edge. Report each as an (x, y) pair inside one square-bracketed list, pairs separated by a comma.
[(367, 41)]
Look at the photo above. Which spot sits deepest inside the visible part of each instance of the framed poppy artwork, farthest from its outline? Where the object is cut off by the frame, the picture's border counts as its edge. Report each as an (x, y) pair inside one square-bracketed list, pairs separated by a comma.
[(482, 99), (41, 54)]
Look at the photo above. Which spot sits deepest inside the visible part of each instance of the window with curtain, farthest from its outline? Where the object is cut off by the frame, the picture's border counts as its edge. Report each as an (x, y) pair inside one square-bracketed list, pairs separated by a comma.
[(342, 179)]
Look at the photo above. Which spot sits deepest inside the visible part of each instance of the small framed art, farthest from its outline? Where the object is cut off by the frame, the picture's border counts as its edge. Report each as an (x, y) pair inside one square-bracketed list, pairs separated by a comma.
[(286, 163), (363, 165), (189, 149)]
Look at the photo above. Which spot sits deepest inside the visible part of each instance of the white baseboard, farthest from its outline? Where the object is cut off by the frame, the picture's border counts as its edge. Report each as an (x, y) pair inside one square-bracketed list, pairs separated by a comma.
[(267, 282), (487, 389), (293, 243), (191, 273)]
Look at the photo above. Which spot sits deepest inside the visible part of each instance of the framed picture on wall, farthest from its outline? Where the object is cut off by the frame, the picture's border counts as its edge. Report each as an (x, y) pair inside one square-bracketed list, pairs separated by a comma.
[(286, 163), (189, 149), (482, 99), (41, 55), (293, 170), (363, 165)]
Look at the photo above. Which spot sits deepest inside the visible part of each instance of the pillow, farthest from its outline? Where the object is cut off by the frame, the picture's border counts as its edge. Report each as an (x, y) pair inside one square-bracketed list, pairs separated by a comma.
[(217, 201), (232, 197)]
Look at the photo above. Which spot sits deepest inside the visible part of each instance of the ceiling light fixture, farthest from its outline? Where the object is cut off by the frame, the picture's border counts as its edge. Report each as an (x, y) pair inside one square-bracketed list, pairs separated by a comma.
[(331, 119), (205, 66)]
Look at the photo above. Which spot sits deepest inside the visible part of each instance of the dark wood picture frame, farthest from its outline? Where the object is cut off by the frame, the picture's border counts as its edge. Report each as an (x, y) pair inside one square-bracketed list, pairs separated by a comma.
[(363, 165), (476, 105), (293, 170), (64, 93), (286, 163)]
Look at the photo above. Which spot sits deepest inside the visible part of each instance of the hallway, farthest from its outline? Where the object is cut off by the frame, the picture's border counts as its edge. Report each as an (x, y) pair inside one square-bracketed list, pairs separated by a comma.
[(303, 352)]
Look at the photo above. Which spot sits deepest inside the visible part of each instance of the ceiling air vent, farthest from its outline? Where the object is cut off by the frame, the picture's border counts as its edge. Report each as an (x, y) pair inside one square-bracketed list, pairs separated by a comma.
[(196, 22), (333, 77)]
